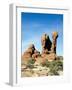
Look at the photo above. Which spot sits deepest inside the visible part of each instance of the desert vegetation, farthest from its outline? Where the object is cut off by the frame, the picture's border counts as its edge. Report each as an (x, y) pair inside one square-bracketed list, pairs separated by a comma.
[(47, 68)]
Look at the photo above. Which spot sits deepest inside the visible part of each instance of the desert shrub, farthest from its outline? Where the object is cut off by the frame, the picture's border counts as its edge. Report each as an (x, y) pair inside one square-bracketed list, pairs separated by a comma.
[(30, 63), (54, 66), (58, 65)]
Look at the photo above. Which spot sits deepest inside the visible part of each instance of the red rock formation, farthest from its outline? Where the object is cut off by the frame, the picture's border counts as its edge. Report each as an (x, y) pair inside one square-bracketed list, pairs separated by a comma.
[(48, 49), (31, 52)]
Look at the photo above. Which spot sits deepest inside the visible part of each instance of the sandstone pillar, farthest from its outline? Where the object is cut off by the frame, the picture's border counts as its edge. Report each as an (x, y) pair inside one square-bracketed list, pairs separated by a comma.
[(54, 42)]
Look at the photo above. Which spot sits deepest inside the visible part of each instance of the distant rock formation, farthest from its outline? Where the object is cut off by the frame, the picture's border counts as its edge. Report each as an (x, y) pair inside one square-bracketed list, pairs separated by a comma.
[(48, 49)]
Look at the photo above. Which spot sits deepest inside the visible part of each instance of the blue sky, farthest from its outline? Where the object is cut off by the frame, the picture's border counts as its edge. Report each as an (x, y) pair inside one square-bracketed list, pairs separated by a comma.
[(34, 25)]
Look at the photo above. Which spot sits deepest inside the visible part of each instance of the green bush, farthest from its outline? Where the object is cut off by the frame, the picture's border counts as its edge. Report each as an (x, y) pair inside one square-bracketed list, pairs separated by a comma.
[(54, 66), (30, 63)]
